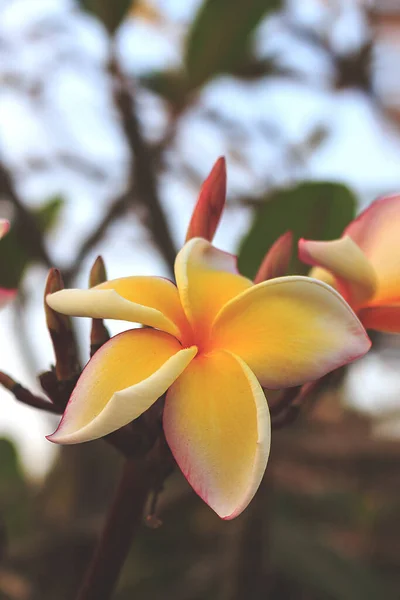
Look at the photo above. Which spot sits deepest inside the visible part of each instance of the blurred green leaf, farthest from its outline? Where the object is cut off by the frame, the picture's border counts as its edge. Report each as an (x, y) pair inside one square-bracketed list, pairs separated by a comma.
[(47, 214), (110, 12), (312, 210), (14, 495), (298, 553), (220, 36), (15, 256), (10, 470), (171, 85)]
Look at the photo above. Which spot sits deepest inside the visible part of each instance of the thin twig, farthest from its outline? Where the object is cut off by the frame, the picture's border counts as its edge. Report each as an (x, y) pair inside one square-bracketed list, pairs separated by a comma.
[(26, 397)]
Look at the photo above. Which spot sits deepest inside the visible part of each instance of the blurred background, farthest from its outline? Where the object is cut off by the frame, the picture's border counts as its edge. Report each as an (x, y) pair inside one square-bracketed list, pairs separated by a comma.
[(111, 116)]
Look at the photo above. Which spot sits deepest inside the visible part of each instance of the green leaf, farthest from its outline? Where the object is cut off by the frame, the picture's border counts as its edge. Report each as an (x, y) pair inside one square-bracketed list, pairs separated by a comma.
[(220, 36), (110, 12), (10, 469), (13, 244), (313, 210), (15, 498), (47, 214), (170, 85)]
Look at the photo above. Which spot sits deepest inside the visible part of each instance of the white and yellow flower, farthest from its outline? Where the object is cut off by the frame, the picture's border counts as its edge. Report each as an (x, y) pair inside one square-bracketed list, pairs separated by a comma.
[(212, 342)]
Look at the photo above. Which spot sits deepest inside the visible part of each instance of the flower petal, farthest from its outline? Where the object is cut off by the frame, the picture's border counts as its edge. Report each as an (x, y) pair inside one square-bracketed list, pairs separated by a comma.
[(152, 301), (207, 278), (376, 231), (323, 275), (217, 424), (355, 277), (381, 318), (4, 227), (210, 204), (6, 296), (122, 380), (290, 330)]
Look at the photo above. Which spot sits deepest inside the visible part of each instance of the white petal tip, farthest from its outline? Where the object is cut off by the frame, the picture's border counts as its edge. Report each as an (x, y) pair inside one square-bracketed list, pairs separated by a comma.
[(63, 439)]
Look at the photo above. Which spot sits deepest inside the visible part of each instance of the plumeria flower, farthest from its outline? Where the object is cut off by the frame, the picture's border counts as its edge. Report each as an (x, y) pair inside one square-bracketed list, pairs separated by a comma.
[(364, 264), (6, 295), (211, 343)]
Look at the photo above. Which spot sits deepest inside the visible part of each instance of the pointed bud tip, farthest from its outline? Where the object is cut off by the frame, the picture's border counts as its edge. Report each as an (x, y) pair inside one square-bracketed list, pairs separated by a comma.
[(55, 322), (7, 382), (277, 259), (54, 282), (210, 203), (98, 272), (220, 165)]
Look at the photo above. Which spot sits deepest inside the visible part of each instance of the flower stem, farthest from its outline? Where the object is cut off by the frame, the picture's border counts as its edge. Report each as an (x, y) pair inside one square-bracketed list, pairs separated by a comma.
[(122, 523), (140, 476)]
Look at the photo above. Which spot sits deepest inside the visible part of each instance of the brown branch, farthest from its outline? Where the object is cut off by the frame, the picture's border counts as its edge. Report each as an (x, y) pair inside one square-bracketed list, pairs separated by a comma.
[(142, 185), (144, 167), (249, 570), (284, 400), (26, 397), (122, 523)]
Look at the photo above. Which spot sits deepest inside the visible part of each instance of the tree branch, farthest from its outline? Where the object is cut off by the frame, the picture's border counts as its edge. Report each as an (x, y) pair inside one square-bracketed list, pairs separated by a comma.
[(122, 523), (144, 171)]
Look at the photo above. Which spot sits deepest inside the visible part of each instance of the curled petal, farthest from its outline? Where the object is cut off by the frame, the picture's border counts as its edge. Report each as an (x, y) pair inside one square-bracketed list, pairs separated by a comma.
[(355, 277), (376, 231), (151, 301), (217, 424), (381, 318), (323, 275), (277, 259), (290, 331), (122, 380), (207, 278), (4, 227), (210, 204)]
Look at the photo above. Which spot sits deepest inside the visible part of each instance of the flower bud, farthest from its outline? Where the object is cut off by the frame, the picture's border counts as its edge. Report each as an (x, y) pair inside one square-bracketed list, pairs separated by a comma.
[(210, 204), (61, 332), (276, 261), (98, 334)]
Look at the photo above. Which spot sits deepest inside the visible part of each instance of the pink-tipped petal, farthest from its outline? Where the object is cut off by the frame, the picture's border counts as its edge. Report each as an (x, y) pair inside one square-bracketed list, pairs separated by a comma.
[(6, 296), (377, 232), (210, 204), (4, 227), (355, 277), (277, 259), (122, 380), (216, 422), (290, 330)]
